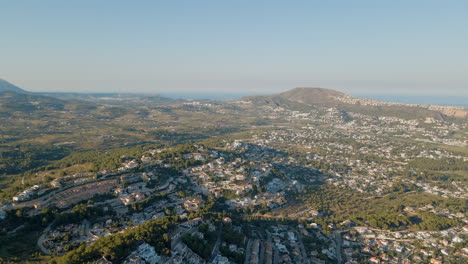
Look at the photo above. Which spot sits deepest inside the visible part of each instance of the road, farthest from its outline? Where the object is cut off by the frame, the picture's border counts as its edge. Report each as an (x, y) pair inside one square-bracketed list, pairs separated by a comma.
[(15, 230), (215, 250), (51, 194), (261, 252), (86, 227), (339, 242), (303, 251), (46, 197), (248, 251), (164, 186), (407, 255), (174, 242), (274, 251), (41, 240)]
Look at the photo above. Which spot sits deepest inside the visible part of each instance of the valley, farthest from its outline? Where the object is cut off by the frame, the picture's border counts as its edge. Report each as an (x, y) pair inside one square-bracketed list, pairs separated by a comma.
[(310, 175)]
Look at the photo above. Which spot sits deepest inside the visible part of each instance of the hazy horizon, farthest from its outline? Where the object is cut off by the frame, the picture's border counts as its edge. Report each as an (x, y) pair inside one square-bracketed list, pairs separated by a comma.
[(399, 97), (416, 47), (351, 87)]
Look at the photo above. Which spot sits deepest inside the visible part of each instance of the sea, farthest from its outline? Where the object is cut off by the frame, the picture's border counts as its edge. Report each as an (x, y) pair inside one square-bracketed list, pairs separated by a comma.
[(441, 99), (451, 100)]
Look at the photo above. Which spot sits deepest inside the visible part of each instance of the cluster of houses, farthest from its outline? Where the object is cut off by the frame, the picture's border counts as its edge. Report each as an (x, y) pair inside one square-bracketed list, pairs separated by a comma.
[(372, 102), (354, 152), (288, 244), (355, 158), (145, 253), (238, 179), (383, 246), (63, 238), (27, 194)]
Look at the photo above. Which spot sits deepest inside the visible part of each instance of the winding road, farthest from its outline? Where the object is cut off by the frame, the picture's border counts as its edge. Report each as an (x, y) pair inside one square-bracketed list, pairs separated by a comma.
[(41, 240)]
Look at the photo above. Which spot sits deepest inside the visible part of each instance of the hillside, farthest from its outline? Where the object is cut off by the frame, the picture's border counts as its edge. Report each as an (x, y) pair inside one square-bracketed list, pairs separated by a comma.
[(116, 98), (313, 96), (20, 98), (13, 101), (299, 98), (196, 164), (9, 87)]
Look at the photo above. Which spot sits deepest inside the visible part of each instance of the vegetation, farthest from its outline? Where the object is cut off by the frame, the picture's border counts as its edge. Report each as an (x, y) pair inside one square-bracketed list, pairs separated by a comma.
[(118, 246), (439, 165), (337, 205), (20, 158), (64, 137), (198, 245)]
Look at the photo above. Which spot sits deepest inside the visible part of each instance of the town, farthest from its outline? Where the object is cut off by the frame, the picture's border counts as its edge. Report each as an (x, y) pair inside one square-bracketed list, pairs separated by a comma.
[(299, 186)]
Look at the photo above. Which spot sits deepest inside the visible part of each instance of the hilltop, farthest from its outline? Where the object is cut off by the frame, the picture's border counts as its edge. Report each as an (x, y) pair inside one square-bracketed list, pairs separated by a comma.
[(303, 98), (313, 96)]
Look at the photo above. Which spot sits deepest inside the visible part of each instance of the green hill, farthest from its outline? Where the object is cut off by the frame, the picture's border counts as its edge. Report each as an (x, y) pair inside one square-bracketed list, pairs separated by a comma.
[(301, 99)]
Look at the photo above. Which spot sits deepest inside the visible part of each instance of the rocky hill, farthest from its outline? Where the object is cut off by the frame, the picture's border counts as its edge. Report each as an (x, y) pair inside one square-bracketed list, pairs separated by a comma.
[(306, 98)]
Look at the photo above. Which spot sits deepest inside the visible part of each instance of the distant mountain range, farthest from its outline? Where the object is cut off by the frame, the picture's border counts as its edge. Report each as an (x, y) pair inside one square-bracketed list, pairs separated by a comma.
[(116, 98), (298, 99), (13, 98)]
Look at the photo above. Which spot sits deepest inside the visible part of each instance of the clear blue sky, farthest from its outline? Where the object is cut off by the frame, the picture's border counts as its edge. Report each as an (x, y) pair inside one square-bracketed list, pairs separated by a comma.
[(375, 46)]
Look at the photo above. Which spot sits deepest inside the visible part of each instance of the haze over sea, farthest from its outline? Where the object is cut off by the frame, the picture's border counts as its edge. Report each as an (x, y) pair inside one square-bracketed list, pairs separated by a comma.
[(419, 99), (398, 98)]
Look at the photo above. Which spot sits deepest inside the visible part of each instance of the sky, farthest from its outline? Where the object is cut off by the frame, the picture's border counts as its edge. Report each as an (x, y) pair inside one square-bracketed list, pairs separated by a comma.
[(359, 46)]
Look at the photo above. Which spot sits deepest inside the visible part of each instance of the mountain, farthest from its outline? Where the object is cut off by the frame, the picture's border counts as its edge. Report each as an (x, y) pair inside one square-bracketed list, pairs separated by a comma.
[(120, 99), (300, 99), (9, 87), (303, 98), (11, 101), (313, 96)]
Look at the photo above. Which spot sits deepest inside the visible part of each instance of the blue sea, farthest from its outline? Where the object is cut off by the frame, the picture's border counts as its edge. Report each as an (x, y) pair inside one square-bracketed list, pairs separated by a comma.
[(419, 99), (206, 95), (398, 98)]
